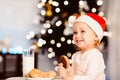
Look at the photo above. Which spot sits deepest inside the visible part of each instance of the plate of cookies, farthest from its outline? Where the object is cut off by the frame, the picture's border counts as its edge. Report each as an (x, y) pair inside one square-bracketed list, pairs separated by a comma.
[(36, 74)]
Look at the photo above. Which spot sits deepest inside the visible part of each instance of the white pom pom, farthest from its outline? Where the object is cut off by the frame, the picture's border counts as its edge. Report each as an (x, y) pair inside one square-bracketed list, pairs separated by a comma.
[(71, 20)]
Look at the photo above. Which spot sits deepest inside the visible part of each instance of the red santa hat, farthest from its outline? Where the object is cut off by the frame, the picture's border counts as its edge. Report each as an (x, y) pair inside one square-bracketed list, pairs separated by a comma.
[(95, 22)]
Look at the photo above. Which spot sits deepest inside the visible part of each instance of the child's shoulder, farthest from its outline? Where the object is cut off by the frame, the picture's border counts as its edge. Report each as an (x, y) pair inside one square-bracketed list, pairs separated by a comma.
[(76, 53), (95, 52)]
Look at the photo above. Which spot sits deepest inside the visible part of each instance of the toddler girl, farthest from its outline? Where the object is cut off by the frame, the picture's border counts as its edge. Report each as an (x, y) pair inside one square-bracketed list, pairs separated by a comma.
[(87, 62)]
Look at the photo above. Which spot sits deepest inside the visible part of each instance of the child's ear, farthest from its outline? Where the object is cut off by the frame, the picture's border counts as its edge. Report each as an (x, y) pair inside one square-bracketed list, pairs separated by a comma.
[(96, 41), (96, 38)]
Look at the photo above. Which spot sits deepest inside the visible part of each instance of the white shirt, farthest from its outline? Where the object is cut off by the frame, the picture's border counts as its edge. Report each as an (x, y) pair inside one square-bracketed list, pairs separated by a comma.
[(88, 65)]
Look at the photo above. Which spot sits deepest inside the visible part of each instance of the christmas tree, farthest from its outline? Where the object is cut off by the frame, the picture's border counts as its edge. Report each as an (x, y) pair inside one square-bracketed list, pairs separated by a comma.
[(56, 34)]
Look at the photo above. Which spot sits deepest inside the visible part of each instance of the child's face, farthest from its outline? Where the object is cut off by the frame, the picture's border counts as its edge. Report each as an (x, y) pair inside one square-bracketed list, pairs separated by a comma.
[(83, 36)]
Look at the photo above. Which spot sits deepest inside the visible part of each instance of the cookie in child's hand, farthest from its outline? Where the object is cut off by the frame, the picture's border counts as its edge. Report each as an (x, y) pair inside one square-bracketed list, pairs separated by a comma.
[(64, 59)]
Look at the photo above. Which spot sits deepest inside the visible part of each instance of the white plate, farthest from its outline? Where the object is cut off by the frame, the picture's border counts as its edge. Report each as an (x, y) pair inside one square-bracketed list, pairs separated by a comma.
[(15, 78), (39, 78)]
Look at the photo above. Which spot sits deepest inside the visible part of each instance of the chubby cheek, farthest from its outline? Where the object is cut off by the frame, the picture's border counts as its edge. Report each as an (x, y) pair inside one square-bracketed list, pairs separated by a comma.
[(74, 40), (76, 44)]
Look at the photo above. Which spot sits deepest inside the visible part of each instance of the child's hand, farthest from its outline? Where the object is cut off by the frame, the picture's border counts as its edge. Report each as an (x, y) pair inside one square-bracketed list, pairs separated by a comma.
[(61, 70), (65, 73)]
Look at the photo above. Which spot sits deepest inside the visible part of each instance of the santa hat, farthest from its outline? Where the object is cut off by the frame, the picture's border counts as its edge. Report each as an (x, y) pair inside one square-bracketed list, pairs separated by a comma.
[(95, 22)]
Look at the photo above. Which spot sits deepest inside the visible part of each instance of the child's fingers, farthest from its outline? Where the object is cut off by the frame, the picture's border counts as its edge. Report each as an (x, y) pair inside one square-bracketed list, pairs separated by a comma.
[(60, 64)]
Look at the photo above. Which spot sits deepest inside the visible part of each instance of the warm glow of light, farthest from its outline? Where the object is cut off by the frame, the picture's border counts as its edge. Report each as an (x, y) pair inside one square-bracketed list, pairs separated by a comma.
[(81, 2), (30, 35), (58, 23), (58, 45), (49, 56), (46, 25), (41, 42), (52, 41), (43, 12), (49, 13), (99, 2), (42, 31), (55, 3), (57, 10), (69, 41), (93, 10), (44, 1), (69, 54), (44, 42), (56, 68), (66, 2), (50, 31), (62, 39), (55, 62), (40, 5), (50, 1), (50, 49), (52, 54), (101, 13)]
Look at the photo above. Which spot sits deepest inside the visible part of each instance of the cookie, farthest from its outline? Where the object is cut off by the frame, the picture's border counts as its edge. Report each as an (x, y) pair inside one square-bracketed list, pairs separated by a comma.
[(64, 59)]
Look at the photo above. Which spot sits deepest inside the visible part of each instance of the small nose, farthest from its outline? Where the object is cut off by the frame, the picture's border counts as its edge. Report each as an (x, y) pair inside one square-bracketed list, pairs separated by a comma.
[(78, 35)]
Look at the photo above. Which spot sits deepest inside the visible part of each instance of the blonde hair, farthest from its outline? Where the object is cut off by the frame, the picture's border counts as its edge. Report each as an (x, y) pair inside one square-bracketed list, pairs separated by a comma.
[(96, 43)]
